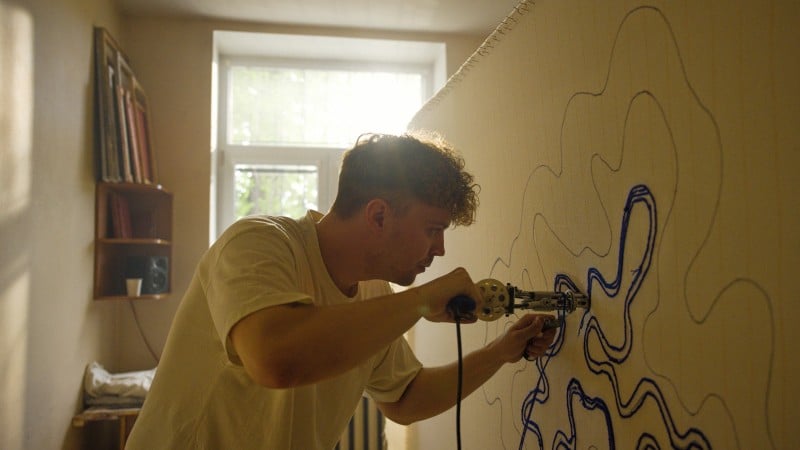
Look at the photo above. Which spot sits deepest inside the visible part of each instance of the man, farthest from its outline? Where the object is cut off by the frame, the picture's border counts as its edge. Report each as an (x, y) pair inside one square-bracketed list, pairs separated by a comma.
[(287, 323)]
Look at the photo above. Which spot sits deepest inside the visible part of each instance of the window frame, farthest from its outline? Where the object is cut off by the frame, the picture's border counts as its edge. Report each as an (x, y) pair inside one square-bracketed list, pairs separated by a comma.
[(226, 156), (325, 159)]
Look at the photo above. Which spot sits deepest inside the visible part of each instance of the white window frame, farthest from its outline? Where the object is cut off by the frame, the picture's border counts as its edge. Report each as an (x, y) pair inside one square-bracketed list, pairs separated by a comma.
[(326, 160), (226, 156)]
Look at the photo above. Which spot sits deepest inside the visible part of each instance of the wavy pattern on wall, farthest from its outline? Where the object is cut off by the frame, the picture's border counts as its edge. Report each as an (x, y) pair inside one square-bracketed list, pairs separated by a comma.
[(633, 391), (612, 354)]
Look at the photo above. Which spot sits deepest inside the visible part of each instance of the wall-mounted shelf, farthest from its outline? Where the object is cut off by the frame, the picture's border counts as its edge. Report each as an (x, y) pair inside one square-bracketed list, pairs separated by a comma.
[(133, 228)]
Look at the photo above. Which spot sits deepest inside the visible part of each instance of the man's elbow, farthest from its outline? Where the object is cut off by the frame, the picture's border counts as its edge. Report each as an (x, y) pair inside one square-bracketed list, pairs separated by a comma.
[(400, 415), (404, 420), (274, 374)]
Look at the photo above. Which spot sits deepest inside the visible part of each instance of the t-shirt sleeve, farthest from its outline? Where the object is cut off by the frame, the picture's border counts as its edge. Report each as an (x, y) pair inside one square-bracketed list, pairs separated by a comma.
[(393, 373), (253, 270), (397, 366)]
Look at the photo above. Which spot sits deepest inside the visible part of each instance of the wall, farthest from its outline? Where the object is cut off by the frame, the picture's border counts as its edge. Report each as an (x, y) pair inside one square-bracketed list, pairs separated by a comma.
[(49, 326), (172, 58), (645, 153)]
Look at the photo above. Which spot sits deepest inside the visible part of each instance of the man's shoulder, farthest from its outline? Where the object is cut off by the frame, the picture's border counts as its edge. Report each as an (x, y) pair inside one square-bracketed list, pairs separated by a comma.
[(258, 235), (264, 226)]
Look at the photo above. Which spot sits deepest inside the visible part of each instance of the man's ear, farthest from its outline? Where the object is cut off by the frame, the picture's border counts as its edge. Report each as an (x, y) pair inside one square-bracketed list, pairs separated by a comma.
[(376, 211)]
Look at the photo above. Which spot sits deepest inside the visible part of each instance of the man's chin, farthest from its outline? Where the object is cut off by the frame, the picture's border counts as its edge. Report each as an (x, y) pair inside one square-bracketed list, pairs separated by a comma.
[(406, 281)]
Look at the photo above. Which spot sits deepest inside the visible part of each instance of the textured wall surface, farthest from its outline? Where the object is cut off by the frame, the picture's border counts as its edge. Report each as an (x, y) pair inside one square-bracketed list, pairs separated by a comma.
[(645, 154)]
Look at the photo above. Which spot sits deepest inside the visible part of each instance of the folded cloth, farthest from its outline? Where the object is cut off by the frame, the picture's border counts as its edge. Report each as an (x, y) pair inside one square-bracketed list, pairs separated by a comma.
[(98, 382), (113, 402)]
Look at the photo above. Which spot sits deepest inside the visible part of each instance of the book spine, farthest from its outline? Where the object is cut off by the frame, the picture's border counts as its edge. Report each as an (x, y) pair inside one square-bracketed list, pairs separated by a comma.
[(130, 126)]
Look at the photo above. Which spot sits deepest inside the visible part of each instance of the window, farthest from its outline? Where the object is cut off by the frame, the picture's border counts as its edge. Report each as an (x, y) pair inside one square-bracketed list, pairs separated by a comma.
[(283, 122), (302, 106), (268, 188)]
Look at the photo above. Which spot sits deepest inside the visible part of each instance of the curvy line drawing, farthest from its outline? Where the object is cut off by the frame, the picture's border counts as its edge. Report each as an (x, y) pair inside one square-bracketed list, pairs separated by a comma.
[(616, 354), (687, 155)]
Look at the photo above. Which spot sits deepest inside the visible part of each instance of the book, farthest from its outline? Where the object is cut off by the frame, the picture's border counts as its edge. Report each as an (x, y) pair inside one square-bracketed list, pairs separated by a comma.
[(120, 216), (105, 73), (122, 134), (145, 139), (133, 143), (142, 140)]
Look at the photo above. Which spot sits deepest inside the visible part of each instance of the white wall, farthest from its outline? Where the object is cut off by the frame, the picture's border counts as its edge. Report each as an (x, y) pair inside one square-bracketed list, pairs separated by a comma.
[(560, 117), (50, 327)]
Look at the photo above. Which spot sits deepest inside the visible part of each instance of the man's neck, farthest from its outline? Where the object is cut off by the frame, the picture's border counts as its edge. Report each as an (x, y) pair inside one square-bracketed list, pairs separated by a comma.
[(341, 245)]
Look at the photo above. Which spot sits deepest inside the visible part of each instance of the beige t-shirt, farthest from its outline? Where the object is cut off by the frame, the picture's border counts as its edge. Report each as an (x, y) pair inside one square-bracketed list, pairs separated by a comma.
[(201, 398)]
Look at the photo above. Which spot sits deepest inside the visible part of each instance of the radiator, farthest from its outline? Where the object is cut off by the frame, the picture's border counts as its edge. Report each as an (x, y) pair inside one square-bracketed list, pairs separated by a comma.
[(366, 429)]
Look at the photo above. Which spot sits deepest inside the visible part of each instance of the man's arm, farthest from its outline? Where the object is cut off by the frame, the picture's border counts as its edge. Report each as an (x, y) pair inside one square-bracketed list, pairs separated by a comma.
[(433, 390), (296, 344)]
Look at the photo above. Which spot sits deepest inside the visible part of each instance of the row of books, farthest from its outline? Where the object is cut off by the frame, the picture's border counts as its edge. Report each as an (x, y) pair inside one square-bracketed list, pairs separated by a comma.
[(124, 147)]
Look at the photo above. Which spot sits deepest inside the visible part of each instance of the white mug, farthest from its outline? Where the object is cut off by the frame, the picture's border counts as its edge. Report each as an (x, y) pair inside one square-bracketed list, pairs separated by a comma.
[(134, 286)]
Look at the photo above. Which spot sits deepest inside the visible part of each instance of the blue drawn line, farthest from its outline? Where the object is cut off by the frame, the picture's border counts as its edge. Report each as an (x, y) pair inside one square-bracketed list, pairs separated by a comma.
[(575, 390), (617, 354)]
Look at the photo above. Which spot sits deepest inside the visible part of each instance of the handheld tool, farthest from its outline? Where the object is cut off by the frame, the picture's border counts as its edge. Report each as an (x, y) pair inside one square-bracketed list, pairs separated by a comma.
[(500, 299)]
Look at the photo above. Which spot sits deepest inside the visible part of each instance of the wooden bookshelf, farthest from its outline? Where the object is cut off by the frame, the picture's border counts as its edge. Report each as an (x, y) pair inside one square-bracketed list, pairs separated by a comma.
[(148, 235)]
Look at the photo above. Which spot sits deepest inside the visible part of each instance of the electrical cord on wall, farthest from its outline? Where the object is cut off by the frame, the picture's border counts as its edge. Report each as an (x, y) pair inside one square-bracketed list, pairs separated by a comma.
[(141, 333)]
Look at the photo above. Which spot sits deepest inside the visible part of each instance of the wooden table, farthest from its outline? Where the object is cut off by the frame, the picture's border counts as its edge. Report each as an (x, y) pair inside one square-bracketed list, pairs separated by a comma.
[(125, 416)]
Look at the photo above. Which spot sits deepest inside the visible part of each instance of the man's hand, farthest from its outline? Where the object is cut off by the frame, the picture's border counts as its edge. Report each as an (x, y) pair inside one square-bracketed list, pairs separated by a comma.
[(524, 338), (432, 391), (436, 295)]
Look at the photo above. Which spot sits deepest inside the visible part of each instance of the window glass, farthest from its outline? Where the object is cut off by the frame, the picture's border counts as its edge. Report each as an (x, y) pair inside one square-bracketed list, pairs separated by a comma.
[(307, 106), (276, 189)]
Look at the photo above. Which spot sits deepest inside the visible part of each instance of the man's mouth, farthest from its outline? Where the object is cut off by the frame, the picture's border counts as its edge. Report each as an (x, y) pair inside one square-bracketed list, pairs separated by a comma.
[(424, 265)]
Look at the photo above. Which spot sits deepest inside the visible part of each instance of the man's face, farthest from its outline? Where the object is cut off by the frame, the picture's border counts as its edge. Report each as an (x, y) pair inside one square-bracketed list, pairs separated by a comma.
[(414, 237)]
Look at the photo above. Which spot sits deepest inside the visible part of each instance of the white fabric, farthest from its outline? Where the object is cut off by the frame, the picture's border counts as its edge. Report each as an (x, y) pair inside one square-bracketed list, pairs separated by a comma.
[(119, 388), (202, 398)]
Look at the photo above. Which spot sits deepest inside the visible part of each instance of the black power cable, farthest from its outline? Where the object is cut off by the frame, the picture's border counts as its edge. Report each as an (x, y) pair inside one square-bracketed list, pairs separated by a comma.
[(460, 384), (460, 307)]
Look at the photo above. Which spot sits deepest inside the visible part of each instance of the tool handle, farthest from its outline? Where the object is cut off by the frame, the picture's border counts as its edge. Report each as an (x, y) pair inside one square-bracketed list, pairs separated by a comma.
[(461, 307), (551, 323)]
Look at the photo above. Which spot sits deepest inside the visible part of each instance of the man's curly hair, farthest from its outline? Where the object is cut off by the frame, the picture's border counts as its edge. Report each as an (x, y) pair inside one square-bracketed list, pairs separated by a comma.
[(421, 166)]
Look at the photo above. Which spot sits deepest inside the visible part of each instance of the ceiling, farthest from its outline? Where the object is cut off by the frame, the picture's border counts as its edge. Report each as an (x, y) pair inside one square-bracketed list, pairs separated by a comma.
[(475, 17)]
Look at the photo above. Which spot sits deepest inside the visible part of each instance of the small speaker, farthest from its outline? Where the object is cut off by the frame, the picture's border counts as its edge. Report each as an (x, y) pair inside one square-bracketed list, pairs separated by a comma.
[(153, 270)]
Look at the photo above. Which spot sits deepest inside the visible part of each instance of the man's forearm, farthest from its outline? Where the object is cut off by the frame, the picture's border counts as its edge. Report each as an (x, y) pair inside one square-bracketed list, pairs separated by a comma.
[(286, 346), (292, 345), (434, 390)]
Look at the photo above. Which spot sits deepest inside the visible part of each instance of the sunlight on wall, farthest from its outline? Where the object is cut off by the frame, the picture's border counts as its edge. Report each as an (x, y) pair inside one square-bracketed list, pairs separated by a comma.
[(16, 129)]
